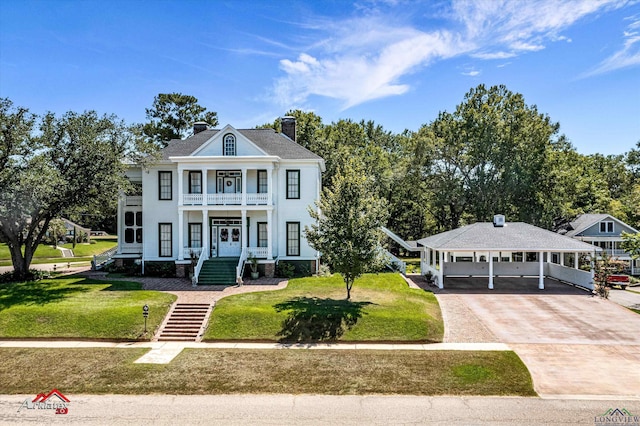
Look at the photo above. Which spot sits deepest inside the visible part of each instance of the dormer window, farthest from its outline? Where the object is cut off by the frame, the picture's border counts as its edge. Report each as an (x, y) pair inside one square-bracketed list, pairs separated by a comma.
[(606, 227), (229, 144)]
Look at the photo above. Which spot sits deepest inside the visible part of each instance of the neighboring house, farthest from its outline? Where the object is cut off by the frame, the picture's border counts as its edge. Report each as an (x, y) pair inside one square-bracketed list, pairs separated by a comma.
[(604, 231), (79, 230), (220, 196)]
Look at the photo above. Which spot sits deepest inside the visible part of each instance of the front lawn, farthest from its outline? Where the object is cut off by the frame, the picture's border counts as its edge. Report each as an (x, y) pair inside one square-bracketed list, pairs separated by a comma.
[(383, 308), (43, 251), (90, 249), (78, 307), (213, 371)]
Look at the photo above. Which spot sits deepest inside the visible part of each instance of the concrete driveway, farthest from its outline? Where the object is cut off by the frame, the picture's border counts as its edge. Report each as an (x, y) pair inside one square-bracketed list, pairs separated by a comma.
[(572, 342)]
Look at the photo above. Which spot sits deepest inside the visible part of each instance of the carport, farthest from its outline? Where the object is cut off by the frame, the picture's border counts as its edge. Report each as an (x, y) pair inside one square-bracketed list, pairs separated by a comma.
[(513, 249)]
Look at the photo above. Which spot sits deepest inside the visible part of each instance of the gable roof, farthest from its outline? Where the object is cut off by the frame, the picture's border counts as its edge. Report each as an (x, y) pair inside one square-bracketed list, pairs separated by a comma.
[(268, 140), (513, 236), (586, 221)]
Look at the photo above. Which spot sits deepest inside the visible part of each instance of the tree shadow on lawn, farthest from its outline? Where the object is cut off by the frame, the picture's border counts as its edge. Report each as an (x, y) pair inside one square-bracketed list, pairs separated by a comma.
[(50, 291), (35, 293), (318, 320)]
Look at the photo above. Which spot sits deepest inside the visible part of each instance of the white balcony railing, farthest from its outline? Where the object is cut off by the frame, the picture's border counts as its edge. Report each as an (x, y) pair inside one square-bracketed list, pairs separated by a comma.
[(133, 200), (225, 199)]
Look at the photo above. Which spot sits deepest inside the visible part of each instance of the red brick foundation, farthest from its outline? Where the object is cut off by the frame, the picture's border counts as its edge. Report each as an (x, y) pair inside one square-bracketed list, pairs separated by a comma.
[(269, 270), (181, 270)]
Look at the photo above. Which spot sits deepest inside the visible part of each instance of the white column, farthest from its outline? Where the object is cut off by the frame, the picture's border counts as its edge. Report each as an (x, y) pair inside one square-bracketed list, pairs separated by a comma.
[(561, 259), (244, 189), (121, 203), (204, 189), (206, 231), (270, 186), (490, 271), (180, 235), (180, 184), (269, 237), (243, 238), (541, 272), (441, 271), (577, 262)]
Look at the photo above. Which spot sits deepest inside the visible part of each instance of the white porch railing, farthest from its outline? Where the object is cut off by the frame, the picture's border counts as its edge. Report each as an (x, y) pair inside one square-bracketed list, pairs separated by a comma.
[(99, 260), (240, 268), (224, 199), (204, 255), (393, 262), (195, 250), (258, 252)]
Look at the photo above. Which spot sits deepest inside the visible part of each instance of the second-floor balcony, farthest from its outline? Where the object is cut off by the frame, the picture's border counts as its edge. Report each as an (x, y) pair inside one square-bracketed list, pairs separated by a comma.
[(234, 199)]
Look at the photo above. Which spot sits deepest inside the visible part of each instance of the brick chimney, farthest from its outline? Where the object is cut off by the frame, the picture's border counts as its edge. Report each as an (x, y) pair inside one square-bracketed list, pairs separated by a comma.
[(288, 124), (199, 126)]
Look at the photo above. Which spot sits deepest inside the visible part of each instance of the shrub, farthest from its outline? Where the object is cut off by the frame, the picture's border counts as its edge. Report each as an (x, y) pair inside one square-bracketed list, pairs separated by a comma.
[(160, 269), (285, 270)]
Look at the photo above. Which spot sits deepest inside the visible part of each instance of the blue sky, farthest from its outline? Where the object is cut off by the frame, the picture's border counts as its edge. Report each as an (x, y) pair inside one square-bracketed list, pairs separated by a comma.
[(395, 62)]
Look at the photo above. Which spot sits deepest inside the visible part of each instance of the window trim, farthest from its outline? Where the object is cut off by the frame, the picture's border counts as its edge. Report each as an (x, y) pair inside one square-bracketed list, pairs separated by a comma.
[(189, 240), (160, 225), (605, 224), (194, 172), (297, 186), (258, 234), (266, 181), (165, 172), (289, 253)]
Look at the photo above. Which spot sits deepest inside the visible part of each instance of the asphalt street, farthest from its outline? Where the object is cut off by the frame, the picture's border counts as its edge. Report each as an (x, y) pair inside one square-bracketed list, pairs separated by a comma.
[(315, 410)]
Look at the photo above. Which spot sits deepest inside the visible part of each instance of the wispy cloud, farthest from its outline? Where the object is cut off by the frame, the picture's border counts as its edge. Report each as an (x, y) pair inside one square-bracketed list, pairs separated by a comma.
[(628, 55), (366, 58)]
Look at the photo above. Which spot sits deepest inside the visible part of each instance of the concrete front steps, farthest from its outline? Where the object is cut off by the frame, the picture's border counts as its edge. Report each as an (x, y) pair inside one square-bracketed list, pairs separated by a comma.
[(185, 323)]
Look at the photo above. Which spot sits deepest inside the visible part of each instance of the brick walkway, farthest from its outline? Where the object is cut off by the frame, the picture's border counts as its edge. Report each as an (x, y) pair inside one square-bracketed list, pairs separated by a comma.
[(461, 325)]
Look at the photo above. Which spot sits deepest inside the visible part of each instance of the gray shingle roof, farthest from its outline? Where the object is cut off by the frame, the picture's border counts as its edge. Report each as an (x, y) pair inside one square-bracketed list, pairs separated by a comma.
[(584, 222), (268, 140), (514, 236)]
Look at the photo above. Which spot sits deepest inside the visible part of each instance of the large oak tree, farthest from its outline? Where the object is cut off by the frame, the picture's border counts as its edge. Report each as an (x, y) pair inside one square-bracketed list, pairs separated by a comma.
[(51, 164)]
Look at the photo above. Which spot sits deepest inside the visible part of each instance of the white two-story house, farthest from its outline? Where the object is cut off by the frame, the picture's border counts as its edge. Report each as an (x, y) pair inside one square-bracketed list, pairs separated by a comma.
[(220, 196)]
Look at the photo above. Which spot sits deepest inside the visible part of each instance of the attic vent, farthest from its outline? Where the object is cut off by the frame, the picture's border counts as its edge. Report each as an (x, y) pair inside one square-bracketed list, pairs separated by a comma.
[(498, 220)]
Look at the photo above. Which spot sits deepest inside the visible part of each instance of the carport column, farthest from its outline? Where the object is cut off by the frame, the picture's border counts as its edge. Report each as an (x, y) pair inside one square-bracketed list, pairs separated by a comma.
[(541, 272), (441, 271), (577, 261), (490, 271), (561, 259)]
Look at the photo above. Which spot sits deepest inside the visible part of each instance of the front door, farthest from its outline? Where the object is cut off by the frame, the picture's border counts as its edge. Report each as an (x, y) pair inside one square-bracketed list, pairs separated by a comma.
[(229, 185), (229, 242)]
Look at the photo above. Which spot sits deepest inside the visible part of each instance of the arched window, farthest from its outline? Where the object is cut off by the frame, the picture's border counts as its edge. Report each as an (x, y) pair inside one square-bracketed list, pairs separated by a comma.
[(229, 144)]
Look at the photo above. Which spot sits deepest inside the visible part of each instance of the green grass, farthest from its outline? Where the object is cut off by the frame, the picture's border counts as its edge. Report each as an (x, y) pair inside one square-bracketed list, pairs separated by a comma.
[(212, 371), (100, 246), (383, 308), (43, 251), (60, 261), (78, 307)]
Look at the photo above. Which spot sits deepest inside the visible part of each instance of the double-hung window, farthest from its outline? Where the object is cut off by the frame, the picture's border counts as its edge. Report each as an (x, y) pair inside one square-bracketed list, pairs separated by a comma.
[(262, 182), (293, 238), (195, 235), (165, 188), (195, 182), (165, 248), (293, 184), (262, 234)]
